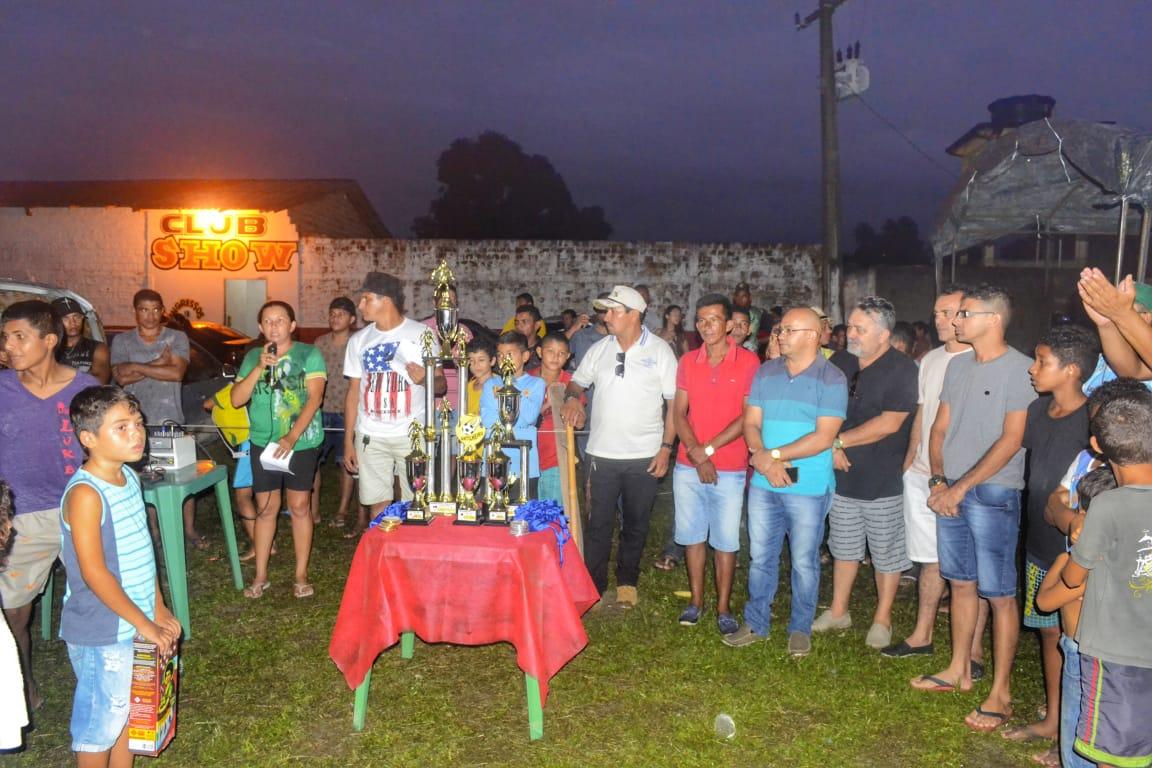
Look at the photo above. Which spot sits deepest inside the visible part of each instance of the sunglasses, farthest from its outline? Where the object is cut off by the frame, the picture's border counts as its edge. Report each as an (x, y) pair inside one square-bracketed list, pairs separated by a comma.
[(853, 384), (620, 364)]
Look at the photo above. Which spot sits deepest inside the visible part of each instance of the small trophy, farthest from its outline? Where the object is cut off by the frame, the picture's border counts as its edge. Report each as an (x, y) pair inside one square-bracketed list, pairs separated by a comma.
[(470, 433), (496, 501), (507, 396), (416, 469)]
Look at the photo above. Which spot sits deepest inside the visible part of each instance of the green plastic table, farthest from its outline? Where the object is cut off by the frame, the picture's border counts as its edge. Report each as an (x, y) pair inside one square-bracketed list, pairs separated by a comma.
[(167, 496)]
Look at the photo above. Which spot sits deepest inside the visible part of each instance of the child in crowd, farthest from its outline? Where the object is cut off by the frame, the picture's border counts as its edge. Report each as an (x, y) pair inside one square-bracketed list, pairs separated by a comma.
[(113, 594), (1113, 553), (1056, 430), (1053, 595), (13, 710), (554, 354), (741, 325), (481, 359), (514, 346)]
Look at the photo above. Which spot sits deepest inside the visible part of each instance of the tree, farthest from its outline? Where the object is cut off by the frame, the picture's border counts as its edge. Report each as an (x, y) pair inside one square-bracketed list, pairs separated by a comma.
[(897, 242), (491, 190)]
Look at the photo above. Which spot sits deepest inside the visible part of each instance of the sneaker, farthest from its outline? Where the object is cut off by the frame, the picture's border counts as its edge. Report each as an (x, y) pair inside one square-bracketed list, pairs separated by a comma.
[(741, 637), (626, 596), (726, 623), (690, 616), (827, 621), (799, 644), (879, 636)]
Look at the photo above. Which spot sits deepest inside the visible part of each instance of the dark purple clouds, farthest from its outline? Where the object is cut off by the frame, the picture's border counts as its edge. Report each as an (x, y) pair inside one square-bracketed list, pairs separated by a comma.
[(685, 120)]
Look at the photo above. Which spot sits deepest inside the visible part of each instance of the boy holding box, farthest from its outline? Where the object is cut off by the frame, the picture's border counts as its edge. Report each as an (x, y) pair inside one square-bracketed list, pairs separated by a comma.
[(112, 589)]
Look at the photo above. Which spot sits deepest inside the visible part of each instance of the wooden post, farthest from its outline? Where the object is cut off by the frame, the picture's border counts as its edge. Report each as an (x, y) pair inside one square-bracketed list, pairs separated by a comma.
[(566, 459)]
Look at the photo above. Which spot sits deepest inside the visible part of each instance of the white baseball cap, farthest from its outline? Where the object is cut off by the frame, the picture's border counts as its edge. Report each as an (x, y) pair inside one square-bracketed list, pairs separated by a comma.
[(622, 296)]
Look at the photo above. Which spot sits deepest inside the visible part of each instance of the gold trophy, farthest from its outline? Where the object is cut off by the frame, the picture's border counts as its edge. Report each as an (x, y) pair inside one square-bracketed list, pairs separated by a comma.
[(496, 499), (444, 503), (416, 469), (470, 433)]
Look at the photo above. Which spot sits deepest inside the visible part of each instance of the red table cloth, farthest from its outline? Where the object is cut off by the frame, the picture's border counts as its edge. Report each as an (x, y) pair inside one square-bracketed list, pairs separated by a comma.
[(466, 585)]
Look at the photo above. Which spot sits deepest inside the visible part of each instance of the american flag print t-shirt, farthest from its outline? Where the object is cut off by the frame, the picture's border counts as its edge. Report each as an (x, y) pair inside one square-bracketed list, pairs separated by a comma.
[(387, 399)]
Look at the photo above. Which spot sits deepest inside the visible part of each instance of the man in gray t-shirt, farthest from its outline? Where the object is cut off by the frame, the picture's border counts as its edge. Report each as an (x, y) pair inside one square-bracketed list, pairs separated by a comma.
[(977, 468), (149, 361)]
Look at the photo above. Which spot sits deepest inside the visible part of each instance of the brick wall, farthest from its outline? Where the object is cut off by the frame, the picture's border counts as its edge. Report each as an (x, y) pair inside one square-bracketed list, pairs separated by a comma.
[(98, 252), (557, 274)]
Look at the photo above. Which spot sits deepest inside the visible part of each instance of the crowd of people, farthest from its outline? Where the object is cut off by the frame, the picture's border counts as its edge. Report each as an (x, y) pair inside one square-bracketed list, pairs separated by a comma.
[(917, 455)]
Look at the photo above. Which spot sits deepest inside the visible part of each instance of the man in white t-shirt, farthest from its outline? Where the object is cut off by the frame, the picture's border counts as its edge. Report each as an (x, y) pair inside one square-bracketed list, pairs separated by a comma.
[(384, 367), (630, 439), (919, 521)]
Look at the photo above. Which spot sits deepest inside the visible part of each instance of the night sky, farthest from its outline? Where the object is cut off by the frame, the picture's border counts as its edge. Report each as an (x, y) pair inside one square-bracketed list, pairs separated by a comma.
[(684, 120)]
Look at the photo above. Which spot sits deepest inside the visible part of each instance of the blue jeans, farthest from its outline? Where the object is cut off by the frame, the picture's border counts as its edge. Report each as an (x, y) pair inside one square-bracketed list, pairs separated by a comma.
[(771, 517), (1070, 705), (979, 544)]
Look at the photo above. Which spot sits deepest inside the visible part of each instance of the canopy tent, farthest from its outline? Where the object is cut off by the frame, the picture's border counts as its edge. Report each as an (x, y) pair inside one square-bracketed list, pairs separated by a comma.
[(1053, 177)]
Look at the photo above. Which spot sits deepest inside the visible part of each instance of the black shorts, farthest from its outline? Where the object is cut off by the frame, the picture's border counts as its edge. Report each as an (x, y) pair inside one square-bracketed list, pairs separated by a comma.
[(302, 466)]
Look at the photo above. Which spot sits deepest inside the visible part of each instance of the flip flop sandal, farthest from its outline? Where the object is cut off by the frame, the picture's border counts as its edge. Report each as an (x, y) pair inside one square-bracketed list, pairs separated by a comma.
[(1000, 719), (302, 590), (256, 591), (196, 542), (666, 563), (936, 684)]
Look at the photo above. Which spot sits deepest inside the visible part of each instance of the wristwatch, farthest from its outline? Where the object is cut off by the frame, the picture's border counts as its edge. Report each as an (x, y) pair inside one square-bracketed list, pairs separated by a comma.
[(837, 444), (936, 480), (709, 450), (666, 445), (775, 454)]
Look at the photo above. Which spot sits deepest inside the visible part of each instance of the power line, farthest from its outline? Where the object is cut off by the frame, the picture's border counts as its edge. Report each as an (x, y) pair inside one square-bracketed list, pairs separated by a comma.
[(951, 174)]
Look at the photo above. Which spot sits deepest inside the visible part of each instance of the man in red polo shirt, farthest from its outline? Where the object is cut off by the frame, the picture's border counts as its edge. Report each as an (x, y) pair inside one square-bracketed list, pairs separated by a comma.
[(712, 384)]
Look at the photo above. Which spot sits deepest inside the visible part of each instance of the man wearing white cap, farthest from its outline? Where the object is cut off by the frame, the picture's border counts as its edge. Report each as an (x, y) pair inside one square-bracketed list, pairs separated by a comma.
[(630, 440)]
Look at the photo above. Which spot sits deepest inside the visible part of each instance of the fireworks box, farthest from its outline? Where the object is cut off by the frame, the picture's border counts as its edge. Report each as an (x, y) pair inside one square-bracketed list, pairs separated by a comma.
[(152, 717)]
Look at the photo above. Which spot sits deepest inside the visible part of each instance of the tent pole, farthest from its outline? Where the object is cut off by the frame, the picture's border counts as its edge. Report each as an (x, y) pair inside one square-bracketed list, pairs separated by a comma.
[(1142, 264), (1122, 237)]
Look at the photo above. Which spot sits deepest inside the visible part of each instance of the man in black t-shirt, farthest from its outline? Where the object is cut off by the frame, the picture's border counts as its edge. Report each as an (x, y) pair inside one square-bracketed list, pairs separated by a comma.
[(868, 507), (77, 350)]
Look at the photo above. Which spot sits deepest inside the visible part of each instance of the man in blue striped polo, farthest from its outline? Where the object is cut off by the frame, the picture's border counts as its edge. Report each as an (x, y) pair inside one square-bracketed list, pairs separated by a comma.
[(797, 404)]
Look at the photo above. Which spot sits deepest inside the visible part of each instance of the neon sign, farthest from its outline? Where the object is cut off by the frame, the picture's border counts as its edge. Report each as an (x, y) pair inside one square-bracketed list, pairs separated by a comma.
[(215, 240)]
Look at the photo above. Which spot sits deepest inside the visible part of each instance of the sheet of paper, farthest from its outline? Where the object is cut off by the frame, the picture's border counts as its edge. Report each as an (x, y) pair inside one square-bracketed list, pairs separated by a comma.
[(269, 461)]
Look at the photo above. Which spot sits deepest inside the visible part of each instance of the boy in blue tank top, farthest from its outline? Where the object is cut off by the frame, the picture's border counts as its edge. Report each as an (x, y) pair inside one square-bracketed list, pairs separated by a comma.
[(112, 592)]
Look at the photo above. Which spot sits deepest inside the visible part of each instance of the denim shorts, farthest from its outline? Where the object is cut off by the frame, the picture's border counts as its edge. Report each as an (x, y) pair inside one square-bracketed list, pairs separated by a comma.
[(979, 544), (708, 512), (103, 694)]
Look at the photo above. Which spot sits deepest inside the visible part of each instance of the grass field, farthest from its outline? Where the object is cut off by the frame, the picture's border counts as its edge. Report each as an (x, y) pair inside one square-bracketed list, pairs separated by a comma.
[(260, 690)]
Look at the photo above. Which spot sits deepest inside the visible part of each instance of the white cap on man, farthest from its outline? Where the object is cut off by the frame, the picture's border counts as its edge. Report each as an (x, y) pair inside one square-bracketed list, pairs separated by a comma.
[(622, 296)]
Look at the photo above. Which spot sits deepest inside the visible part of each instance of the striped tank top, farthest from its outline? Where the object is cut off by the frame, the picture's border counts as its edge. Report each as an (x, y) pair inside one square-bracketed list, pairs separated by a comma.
[(128, 554)]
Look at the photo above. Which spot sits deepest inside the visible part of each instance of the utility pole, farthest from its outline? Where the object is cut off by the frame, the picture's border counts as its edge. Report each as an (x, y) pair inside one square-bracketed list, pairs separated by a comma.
[(830, 147)]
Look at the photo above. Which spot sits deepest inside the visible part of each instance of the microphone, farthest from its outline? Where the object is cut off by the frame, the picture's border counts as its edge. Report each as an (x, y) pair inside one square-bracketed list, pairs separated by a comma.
[(271, 373)]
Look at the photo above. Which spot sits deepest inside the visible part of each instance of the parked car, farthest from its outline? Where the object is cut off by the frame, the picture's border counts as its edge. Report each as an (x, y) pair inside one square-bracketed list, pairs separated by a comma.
[(227, 345), (12, 291)]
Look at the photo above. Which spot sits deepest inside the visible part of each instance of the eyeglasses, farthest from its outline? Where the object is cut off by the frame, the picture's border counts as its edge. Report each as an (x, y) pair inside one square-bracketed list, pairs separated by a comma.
[(620, 364), (779, 331), (853, 384), (964, 314)]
